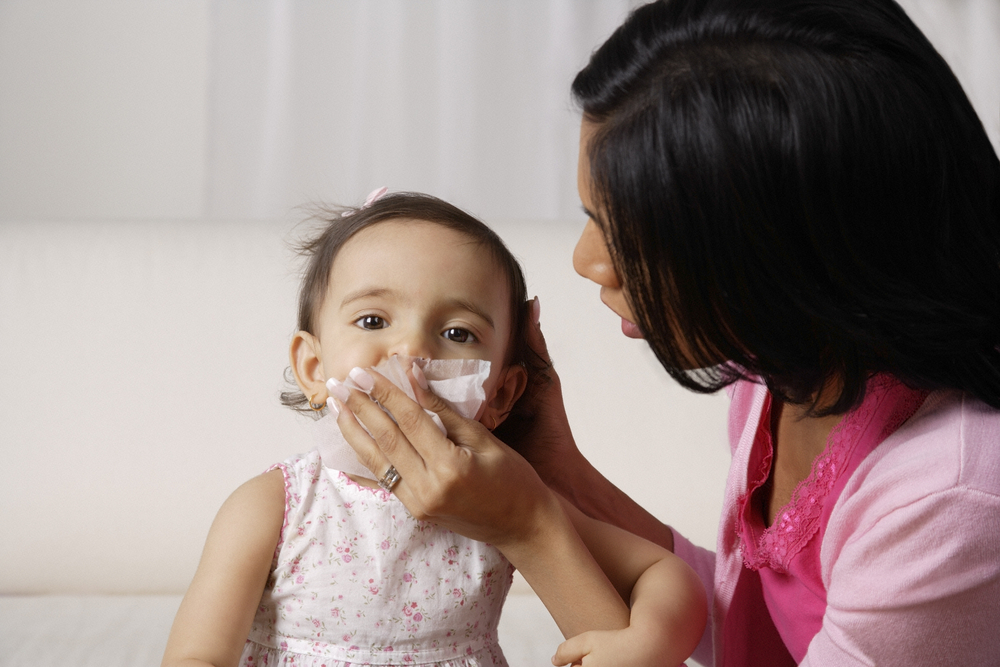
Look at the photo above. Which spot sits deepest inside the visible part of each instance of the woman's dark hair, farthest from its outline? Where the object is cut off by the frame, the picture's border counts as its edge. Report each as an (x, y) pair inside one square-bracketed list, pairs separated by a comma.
[(321, 251), (798, 189)]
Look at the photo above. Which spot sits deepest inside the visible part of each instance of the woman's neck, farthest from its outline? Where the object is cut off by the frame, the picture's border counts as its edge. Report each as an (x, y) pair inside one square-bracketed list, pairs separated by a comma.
[(798, 439)]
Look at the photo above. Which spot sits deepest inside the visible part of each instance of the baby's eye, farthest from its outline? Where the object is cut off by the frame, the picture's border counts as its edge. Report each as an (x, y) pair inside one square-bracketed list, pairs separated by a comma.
[(459, 335), (371, 322)]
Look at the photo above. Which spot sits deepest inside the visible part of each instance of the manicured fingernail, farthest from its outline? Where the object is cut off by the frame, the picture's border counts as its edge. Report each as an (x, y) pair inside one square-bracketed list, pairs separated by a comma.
[(332, 407), (363, 379), (337, 390), (536, 310), (418, 375)]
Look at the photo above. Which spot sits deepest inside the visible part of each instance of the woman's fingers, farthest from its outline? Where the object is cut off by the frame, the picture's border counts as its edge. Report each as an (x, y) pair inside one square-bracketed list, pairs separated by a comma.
[(367, 450), (386, 443), (536, 339), (408, 438), (371, 456), (548, 442), (462, 482), (461, 431), (416, 425)]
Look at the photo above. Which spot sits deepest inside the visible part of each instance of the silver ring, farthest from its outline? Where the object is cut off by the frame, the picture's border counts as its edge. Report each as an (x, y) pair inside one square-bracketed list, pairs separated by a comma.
[(390, 478)]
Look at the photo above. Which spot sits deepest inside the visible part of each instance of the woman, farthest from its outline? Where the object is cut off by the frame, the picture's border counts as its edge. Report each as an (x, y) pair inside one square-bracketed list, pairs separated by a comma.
[(794, 200)]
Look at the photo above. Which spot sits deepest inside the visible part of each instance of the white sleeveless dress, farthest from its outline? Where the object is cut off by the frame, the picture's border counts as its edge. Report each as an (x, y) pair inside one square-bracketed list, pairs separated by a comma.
[(357, 581)]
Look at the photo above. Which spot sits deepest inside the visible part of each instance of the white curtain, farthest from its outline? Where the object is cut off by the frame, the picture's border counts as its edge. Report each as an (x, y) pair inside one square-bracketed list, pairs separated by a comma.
[(197, 109), (967, 34), (468, 100), (465, 99)]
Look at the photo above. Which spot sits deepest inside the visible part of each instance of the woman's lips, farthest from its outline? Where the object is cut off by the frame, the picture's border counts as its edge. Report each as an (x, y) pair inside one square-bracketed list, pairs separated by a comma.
[(630, 329), (628, 326)]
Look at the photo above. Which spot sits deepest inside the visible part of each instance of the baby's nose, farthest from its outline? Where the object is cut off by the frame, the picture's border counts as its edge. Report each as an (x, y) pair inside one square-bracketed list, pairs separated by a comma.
[(415, 344)]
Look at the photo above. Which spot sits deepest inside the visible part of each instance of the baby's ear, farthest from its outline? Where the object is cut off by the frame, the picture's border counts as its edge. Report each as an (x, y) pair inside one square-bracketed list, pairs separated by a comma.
[(513, 381), (306, 359)]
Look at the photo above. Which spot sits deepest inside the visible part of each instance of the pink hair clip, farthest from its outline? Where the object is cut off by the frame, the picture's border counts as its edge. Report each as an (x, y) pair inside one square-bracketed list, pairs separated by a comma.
[(373, 197)]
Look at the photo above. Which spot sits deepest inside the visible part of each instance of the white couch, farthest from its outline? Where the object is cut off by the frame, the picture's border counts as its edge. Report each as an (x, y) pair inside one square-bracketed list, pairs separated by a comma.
[(141, 364)]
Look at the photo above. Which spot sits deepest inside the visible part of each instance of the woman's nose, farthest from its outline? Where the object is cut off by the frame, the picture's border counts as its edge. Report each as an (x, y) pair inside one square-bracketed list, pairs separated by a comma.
[(591, 258)]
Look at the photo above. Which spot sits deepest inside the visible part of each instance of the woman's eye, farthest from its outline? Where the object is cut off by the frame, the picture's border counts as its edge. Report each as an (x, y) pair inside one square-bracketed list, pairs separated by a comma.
[(457, 335), (371, 322)]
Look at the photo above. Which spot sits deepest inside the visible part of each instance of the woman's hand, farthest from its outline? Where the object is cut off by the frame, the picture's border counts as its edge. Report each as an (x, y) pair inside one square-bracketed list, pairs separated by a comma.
[(545, 440), (474, 485), (467, 481)]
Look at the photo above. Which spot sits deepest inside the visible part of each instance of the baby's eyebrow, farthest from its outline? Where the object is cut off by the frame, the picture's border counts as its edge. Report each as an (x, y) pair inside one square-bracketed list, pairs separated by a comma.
[(475, 310), (365, 293)]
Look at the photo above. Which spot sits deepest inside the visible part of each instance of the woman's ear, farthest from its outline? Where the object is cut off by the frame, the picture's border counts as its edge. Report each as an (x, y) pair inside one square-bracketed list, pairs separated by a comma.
[(306, 359), (509, 388)]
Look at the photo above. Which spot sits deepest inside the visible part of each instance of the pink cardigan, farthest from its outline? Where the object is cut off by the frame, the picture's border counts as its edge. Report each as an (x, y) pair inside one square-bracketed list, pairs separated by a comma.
[(911, 554)]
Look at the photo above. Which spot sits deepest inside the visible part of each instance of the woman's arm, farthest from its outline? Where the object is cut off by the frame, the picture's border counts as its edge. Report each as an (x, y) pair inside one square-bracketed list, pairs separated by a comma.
[(669, 606), (214, 619), (550, 448), (919, 585), (577, 480)]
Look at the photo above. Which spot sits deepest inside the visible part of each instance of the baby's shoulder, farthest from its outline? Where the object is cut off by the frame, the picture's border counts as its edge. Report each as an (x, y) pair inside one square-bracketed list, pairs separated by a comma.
[(299, 470), (264, 490), (253, 514)]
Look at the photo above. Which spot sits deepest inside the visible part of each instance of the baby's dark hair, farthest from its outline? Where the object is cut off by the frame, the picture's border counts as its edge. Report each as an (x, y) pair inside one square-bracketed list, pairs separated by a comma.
[(320, 252)]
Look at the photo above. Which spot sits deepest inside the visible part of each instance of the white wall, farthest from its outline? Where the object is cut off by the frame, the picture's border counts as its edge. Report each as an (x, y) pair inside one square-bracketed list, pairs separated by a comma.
[(150, 158)]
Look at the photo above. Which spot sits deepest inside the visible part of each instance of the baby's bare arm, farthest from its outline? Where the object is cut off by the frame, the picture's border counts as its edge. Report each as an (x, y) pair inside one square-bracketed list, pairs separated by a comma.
[(668, 602), (215, 616)]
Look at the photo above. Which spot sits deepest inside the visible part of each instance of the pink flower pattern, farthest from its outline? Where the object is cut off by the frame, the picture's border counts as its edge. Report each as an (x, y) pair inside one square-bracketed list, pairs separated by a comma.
[(356, 580)]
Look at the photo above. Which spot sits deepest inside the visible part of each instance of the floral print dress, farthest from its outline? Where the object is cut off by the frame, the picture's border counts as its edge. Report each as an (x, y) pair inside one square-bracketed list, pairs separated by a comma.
[(357, 581)]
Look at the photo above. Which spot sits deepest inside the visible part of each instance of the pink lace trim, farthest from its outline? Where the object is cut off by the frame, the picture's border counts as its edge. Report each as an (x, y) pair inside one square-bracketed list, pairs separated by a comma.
[(798, 521), (288, 498), (380, 492)]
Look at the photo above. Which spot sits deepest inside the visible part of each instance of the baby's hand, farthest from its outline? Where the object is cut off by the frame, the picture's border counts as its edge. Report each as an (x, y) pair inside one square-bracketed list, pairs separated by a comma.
[(613, 648)]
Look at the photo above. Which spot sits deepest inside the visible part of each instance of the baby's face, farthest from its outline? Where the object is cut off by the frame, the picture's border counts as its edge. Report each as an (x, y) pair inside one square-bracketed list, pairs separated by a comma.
[(413, 288)]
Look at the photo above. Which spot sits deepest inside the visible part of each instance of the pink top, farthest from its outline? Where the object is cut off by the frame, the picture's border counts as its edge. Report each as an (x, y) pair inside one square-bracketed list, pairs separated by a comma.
[(907, 553), (787, 553)]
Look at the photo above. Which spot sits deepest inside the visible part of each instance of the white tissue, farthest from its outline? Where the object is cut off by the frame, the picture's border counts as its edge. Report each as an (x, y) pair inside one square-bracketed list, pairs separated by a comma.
[(458, 381)]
